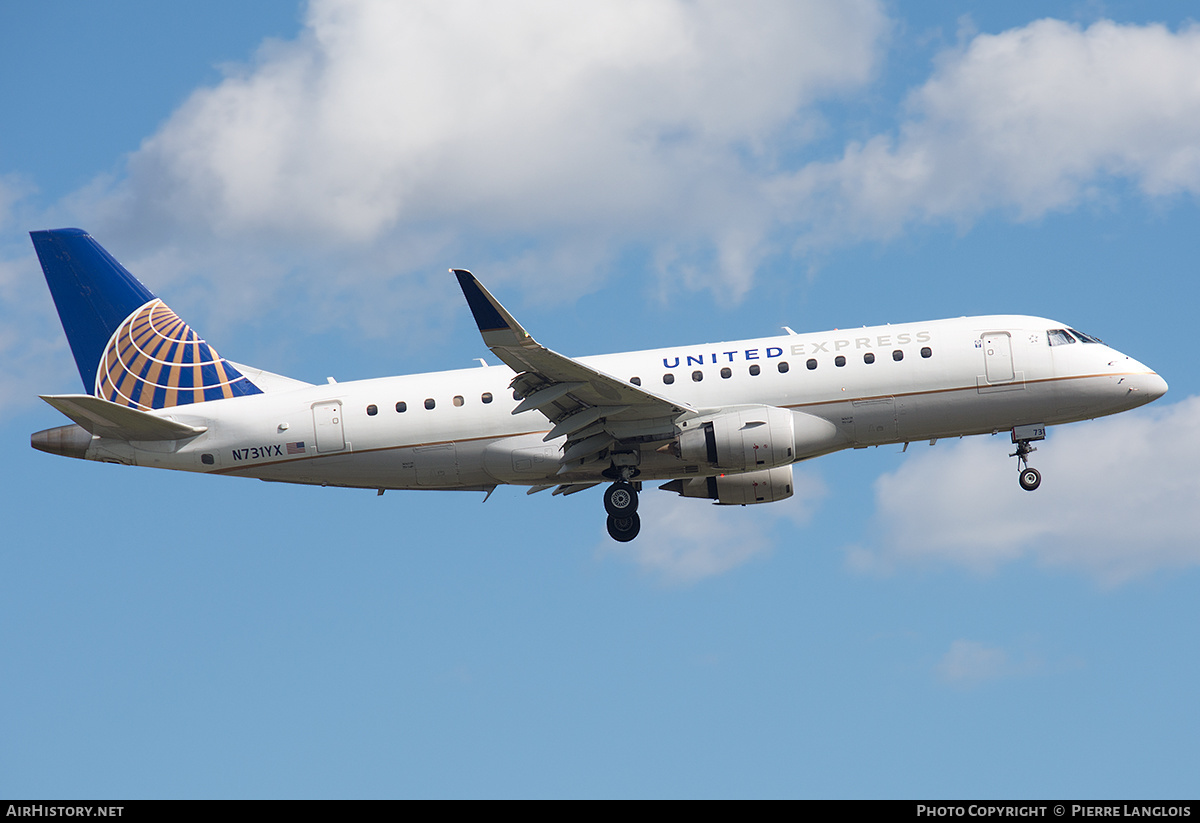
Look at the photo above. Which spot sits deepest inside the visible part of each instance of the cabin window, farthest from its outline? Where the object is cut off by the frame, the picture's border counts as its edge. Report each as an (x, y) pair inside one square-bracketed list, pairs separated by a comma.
[(697, 376), (783, 367), (726, 373), (486, 397), (401, 407), (811, 364), (926, 352), (754, 370), (458, 400), (372, 410), (869, 357), (637, 381), (668, 378), (839, 361), (207, 459), (898, 355), (429, 403)]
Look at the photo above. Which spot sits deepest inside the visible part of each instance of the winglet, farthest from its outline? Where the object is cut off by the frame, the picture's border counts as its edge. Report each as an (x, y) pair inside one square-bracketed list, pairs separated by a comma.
[(498, 327), (570, 393)]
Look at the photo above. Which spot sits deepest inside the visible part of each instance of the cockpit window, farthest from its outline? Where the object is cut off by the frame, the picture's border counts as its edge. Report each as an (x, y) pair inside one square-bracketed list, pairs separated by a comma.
[(1086, 338), (1059, 337)]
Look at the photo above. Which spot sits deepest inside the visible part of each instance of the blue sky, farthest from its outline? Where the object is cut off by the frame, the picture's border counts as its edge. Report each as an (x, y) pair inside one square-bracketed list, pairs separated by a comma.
[(294, 180)]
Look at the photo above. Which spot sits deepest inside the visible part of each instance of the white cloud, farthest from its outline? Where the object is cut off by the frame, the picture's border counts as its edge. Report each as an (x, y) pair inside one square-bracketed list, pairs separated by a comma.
[(571, 132), (387, 138), (969, 663), (33, 364), (13, 188), (635, 120), (686, 540), (1034, 119), (1120, 498), (404, 133), (539, 142)]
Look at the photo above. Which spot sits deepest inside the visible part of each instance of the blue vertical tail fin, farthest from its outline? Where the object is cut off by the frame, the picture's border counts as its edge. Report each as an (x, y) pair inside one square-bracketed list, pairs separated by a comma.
[(129, 346)]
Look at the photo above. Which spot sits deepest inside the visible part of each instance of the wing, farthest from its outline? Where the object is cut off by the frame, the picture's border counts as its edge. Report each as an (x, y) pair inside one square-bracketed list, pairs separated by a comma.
[(603, 417)]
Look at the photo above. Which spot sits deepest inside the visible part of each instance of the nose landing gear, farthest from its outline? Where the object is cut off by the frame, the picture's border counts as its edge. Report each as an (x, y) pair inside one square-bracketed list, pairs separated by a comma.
[(1029, 478)]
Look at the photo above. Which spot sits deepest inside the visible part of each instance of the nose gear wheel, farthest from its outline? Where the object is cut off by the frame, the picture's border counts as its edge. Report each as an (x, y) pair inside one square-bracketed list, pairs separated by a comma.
[(1029, 478)]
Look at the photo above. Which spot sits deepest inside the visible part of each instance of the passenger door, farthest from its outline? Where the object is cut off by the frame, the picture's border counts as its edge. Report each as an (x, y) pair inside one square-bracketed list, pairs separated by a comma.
[(327, 423)]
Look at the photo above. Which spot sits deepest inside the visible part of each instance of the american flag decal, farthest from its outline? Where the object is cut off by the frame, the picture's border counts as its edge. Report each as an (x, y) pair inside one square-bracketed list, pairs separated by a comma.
[(296, 448)]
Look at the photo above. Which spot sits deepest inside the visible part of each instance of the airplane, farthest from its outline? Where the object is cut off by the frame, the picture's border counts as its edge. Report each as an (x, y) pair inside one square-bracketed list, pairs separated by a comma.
[(716, 421)]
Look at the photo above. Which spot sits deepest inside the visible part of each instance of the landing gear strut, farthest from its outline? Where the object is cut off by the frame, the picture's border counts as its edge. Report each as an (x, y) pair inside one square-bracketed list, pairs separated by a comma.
[(621, 502), (1029, 478)]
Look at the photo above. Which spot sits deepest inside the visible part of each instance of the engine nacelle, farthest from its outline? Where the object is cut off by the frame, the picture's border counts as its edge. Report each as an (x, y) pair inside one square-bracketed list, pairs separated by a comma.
[(764, 486), (755, 437), (751, 438)]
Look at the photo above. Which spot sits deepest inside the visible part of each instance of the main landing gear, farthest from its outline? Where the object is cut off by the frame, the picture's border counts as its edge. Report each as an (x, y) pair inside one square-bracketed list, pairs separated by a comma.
[(1029, 478), (621, 502)]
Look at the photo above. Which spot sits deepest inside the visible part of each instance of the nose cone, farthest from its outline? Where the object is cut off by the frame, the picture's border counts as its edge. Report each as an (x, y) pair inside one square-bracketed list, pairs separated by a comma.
[(1141, 388), (1141, 383), (1152, 385)]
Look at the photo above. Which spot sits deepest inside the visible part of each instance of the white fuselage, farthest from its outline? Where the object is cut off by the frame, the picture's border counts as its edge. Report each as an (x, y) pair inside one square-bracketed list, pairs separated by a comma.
[(965, 376)]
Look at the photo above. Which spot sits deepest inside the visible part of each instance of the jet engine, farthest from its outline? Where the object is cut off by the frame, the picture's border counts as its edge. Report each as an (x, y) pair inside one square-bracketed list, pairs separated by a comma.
[(749, 438), (764, 486)]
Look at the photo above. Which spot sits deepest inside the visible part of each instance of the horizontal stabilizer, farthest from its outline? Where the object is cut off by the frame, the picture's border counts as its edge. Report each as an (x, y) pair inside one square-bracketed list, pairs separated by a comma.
[(106, 419)]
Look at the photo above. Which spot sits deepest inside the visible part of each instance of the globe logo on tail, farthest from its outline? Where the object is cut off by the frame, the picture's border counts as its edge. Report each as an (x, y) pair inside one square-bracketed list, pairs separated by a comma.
[(154, 360)]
